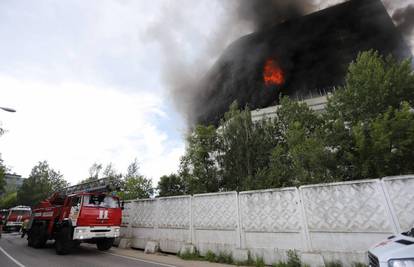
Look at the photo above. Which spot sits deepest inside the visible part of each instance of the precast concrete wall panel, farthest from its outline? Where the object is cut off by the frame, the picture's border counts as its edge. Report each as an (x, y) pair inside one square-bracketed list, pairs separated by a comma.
[(271, 219), (125, 230), (173, 222), (142, 220), (348, 216), (126, 213), (144, 214), (215, 221), (174, 212), (401, 195)]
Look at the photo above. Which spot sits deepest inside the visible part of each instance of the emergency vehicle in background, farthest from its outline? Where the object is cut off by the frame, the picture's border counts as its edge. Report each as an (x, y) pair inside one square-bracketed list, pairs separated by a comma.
[(16, 217), (82, 213), (396, 251)]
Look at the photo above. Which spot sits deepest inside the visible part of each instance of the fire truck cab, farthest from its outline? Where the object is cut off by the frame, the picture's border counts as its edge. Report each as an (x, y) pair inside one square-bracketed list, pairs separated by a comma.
[(83, 213), (16, 217)]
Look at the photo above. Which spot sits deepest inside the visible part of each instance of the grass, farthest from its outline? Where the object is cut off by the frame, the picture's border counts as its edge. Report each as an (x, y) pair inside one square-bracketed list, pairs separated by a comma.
[(259, 262), (335, 263), (224, 257), (210, 256), (359, 264), (293, 259), (187, 255)]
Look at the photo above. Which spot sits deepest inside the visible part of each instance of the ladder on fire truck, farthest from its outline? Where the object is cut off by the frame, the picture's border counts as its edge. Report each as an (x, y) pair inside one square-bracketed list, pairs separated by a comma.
[(107, 184)]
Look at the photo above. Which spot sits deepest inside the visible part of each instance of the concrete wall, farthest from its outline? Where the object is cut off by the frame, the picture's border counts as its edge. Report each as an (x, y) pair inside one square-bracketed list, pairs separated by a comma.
[(322, 222)]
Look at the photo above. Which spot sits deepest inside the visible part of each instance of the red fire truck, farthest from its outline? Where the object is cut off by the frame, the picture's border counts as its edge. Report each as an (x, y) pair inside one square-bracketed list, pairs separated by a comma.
[(16, 217), (82, 213)]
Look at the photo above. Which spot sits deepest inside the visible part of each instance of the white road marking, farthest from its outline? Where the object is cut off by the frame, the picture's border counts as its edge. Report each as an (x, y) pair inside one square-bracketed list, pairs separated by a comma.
[(10, 257), (132, 258)]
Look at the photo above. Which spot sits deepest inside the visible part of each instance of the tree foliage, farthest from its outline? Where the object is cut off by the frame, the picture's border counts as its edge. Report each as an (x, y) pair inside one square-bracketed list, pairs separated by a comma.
[(8, 200), (2, 177), (198, 166), (41, 183), (135, 185), (373, 84), (171, 185)]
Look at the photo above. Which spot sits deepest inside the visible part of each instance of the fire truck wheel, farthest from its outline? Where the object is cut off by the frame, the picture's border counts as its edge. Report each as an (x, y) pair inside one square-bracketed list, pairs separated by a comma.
[(37, 237), (63, 242), (105, 244), (76, 244)]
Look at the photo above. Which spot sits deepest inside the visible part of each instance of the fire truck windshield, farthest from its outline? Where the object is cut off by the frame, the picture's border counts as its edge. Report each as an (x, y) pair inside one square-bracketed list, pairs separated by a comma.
[(100, 201)]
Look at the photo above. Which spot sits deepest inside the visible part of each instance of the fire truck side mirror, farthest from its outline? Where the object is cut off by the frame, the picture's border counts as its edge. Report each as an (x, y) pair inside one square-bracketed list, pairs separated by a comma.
[(122, 205)]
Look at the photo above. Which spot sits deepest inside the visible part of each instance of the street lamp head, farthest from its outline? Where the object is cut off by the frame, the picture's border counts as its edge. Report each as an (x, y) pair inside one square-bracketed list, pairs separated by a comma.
[(8, 109)]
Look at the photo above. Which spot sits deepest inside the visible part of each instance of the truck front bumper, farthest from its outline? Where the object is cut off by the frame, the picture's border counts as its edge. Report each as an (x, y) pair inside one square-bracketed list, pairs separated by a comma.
[(12, 226), (86, 232)]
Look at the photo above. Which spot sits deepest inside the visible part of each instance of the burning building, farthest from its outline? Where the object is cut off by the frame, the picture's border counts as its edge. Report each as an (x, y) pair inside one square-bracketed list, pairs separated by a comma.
[(299, 57)]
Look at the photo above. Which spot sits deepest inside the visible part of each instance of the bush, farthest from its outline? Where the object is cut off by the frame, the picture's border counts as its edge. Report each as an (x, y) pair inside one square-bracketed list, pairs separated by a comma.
[(359, 264), (249, 261), (224, 257), (293, 259), (189, 256), (210, 256), (259, 262)]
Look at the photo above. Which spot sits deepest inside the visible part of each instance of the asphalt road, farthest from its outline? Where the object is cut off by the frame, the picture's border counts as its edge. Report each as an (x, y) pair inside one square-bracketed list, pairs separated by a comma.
[(14, 252)]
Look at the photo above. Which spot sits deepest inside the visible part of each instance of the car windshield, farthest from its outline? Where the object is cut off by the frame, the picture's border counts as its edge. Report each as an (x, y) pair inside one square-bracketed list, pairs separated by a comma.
[(100, 201)]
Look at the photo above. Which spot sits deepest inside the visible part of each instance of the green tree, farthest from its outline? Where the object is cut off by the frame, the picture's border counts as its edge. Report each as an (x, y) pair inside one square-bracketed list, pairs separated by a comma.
[(373, 84), (95, 172), (198, 166), (300, 156), (40, 184), (8, 200), (171, 185), (244, 150), (98, 171), (2, 177), (135, 185), (386, 146)]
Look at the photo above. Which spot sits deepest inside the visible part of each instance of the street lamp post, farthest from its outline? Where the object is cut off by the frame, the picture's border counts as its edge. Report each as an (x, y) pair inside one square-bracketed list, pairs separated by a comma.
[(1, 129), (8, 109)]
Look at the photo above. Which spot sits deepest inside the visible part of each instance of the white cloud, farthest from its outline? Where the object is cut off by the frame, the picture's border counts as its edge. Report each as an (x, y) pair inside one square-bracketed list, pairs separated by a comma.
[(73, 125)]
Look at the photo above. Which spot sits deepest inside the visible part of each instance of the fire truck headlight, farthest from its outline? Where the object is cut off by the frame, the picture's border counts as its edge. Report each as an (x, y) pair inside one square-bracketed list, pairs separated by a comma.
[(401, 263), (116, 232)]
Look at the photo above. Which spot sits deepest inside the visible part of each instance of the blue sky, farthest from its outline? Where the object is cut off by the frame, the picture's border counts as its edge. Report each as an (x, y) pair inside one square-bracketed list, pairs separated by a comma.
[(91, 80)]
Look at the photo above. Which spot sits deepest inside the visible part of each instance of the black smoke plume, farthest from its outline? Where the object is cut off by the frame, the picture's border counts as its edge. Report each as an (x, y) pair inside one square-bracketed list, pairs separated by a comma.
[(313, 52), (266, 13), (404, 17), (203, 87)]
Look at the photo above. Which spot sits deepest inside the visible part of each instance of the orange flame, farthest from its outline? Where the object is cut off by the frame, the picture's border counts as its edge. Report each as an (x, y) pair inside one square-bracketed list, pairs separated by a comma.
[(272, 73)]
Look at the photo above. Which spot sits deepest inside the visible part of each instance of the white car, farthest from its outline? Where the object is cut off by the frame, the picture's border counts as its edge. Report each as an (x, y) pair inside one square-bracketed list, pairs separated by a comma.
[(396, 251)]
